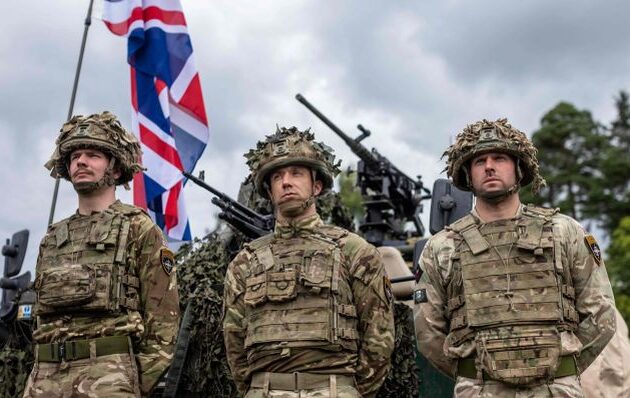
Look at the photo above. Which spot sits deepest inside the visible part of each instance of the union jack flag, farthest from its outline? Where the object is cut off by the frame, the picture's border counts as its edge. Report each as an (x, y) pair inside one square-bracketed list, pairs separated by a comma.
[(168, 113)]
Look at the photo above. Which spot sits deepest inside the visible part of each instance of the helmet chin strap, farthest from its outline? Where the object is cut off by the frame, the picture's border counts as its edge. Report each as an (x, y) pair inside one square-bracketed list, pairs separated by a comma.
[(497, 196)]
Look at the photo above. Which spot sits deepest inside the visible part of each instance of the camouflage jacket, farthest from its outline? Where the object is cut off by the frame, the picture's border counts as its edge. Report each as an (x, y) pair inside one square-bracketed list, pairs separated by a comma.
[(594, 300), (366, 356), (151, 317)]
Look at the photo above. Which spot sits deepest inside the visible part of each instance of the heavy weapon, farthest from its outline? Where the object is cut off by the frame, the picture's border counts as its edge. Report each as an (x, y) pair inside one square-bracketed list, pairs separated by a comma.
[(247, 221), (391, 197)]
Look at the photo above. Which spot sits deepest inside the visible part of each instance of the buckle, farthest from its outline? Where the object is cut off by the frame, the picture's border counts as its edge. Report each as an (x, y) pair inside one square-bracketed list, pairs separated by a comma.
[(61, 351)]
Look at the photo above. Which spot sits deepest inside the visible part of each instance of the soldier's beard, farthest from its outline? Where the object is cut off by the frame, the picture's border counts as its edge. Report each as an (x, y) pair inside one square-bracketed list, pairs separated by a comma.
[(499, 196), (89, 187)]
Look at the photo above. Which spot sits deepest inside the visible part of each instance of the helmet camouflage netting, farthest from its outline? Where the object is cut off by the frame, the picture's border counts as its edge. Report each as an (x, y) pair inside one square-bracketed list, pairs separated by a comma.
[(291, 147), (99, 131), (498, 136)]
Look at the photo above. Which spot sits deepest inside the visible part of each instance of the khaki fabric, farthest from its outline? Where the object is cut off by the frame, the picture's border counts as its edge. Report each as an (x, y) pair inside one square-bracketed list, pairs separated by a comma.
[(326, 288), (144, 306), (594, 301), (563, 387), (111, 376), (342, 392), (609, 375)]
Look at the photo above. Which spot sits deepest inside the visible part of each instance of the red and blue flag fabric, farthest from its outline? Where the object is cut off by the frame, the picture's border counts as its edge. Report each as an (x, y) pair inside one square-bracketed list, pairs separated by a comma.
[(168, 113)]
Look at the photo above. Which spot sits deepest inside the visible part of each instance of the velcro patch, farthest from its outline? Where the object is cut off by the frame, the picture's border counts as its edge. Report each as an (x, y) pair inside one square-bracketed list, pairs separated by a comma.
[(592, 245), (167, 259), (420, 296)]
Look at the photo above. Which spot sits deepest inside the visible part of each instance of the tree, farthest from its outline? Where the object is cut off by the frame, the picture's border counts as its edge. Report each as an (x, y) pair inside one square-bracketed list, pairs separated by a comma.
[(617, 265), (613, 199), (350, 193), (569, 145)]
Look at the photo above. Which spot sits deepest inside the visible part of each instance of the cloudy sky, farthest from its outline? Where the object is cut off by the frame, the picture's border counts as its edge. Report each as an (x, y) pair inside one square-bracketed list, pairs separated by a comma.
[(414, 73)]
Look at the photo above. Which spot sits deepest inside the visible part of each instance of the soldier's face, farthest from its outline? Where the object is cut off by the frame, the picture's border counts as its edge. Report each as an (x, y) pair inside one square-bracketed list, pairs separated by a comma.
[(292, 183), (492, 172), (87, 165)]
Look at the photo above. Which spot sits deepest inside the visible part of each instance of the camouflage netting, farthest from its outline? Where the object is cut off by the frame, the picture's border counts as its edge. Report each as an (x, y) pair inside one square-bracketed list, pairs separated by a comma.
[(485, 136), (15, 366), (403, 379), (16, 358), (201, 269)]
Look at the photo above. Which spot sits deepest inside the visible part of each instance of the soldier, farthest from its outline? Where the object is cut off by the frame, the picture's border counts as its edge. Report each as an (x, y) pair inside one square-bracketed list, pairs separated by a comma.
[(308, 309), (107, 306), (514, 300)]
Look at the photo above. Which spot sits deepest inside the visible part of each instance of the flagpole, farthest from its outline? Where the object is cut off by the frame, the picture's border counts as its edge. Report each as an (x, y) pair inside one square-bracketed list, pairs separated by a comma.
[(88, 22)]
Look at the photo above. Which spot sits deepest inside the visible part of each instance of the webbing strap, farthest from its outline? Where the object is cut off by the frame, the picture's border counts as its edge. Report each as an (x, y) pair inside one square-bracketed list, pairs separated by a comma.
[(80, 349), (466, 368)]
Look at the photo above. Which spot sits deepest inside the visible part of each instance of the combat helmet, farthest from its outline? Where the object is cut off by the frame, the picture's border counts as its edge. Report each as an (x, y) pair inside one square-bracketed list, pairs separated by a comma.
[(498, 136), (291, 147), (99, 131)]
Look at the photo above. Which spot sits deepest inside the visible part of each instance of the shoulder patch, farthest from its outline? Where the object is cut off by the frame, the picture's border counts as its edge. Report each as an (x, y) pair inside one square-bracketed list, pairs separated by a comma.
[(387, 285), (167, 259), (592, 245)]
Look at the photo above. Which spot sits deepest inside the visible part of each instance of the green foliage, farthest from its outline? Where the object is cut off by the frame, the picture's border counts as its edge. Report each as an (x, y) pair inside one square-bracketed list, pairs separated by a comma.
[(611, 200), (569, 145), (350, 193), (617, 265)]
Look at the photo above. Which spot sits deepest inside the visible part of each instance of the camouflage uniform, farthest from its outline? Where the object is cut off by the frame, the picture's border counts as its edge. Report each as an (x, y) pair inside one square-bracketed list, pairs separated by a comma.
[(308, 310), (107, 308), (609, 375), (516, 307)]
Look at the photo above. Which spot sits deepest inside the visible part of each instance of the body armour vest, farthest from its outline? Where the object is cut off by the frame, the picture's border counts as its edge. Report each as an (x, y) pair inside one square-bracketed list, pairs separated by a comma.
[(295, 295), (83, 266), (511, 295)]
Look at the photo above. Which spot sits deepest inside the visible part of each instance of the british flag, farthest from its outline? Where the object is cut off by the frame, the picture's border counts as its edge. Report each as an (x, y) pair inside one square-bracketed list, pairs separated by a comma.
[(168, 114)]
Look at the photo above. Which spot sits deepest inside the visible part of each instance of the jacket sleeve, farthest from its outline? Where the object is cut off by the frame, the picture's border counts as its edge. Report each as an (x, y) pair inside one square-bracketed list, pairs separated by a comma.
[(430, 318), (594, 299), (374, 303), (234, 322), (159, 305)]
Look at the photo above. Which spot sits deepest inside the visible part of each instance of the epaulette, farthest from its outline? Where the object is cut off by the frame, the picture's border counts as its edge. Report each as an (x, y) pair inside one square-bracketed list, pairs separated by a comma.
[(538, 211), (128, 210), (258, 243), (463, 223), (332, 231)]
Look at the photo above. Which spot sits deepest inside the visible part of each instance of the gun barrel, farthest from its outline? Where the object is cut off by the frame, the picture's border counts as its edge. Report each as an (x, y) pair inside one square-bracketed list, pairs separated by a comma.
[(354, 145)]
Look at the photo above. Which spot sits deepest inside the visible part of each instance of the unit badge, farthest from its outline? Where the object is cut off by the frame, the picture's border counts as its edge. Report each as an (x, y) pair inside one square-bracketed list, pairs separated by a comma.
[(387, 284), (167, 259), (592, 245)]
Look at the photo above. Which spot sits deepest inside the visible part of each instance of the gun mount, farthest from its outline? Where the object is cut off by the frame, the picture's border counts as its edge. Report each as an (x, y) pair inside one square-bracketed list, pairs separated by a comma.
[(391, 197)]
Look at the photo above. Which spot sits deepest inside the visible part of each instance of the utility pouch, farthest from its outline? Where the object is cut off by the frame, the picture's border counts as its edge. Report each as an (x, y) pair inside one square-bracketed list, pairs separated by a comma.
[(281, 286), (519, 355), (255, 290), (65, 287)]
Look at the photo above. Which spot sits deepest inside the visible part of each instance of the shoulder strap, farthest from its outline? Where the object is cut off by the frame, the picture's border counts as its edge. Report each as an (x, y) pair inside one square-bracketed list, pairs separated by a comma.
[(466, 227)]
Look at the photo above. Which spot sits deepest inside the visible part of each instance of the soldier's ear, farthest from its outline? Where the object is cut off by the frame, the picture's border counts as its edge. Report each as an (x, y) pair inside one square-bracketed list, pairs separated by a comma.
[(317, 187)]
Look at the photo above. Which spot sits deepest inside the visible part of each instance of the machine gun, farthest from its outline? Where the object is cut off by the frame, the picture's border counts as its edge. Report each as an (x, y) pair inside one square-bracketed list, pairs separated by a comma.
[(391, 198), (247, 221)]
